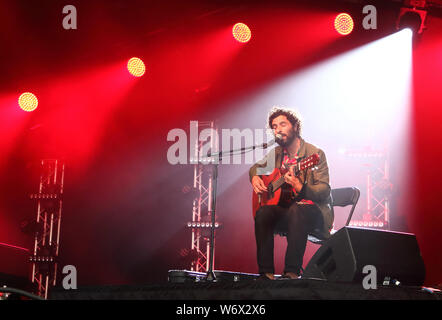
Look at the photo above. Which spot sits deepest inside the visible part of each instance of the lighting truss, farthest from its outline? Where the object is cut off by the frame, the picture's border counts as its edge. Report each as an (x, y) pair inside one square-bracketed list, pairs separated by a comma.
[(44, 259), (202, 205)]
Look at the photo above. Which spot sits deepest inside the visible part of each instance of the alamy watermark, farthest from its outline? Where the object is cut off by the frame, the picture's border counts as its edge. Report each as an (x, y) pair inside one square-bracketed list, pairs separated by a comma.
[(70, 20), (70, 279), (371, 279), (370, 20), (204, 147)]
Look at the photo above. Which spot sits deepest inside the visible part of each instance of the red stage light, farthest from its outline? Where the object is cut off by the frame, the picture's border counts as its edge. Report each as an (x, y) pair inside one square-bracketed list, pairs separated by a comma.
[(344, 24), (136, 67), (241, 32), (28, 101)]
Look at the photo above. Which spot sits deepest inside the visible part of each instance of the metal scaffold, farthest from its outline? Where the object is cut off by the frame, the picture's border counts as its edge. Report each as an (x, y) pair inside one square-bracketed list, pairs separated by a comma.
[(202, 204), (378, 186), (45, 252)]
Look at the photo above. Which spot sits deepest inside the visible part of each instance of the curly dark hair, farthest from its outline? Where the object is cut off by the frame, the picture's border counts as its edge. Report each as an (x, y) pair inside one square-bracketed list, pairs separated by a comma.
[(291, 115)]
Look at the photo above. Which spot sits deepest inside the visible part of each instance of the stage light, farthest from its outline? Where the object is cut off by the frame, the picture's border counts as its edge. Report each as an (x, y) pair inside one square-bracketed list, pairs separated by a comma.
[(28, 101), (202, 225), (363, 223), (136, 67), (241, 32), (412, 16), (344, 24)]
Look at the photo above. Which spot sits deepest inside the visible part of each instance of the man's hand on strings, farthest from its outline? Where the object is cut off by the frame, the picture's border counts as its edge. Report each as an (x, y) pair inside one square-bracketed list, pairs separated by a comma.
[(293, 180)]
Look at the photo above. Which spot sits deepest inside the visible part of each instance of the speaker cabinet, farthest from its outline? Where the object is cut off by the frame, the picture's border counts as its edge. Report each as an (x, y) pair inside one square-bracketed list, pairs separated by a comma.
[(343, 256)]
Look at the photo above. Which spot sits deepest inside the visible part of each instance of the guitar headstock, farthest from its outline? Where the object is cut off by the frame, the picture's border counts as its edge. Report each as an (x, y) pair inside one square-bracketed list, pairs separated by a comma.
[(309, 162)]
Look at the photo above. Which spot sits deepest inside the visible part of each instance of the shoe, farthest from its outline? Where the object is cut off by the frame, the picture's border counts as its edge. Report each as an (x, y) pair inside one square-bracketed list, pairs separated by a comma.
[(263, 277), (289, 276)]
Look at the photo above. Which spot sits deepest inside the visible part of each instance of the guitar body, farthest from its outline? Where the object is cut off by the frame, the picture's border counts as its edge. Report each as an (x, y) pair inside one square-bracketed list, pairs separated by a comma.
[(276, 187), (270, 197)]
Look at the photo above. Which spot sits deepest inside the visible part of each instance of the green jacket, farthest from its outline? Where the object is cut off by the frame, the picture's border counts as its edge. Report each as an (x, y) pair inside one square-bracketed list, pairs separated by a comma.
[(316, 182)]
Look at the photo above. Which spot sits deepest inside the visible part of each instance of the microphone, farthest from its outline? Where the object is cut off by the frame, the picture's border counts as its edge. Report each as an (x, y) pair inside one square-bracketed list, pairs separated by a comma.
[(263, 146), (271, 142)]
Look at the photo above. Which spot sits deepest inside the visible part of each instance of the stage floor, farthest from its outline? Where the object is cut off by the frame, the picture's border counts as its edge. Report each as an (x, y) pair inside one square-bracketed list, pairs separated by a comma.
[(299, 289)]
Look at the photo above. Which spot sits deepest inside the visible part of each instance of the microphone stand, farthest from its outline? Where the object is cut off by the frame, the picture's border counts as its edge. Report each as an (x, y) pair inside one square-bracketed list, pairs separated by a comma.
[(210, 276)]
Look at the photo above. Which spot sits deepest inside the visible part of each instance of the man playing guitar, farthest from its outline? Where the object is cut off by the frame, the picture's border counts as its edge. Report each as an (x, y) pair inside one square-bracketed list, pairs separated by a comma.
[(294, 200)]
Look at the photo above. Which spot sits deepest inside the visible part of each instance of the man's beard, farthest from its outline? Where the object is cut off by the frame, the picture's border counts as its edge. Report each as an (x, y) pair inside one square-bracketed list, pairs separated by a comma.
[(290, 138)]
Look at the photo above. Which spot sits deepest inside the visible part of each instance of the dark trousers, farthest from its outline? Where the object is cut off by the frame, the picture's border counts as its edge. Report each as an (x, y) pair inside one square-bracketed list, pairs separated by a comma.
[(295, 222)]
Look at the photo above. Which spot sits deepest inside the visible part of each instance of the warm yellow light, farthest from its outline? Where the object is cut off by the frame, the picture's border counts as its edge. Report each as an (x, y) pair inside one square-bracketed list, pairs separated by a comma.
[(241, 32), (28, 101), (344, 23), (136, 67)]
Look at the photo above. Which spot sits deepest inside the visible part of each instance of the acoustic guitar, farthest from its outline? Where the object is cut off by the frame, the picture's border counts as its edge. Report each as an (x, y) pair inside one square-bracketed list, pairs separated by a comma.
[(276, 186)]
